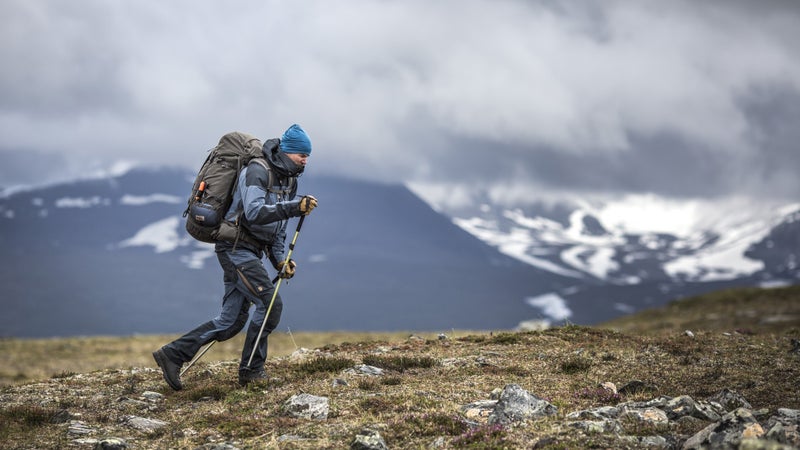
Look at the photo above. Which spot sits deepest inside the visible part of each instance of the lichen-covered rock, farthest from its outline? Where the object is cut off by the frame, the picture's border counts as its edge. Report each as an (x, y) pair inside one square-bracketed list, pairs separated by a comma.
[(728, 432), (730, 400), (144, 424), (368, 439), (307, 406), (517, 404)]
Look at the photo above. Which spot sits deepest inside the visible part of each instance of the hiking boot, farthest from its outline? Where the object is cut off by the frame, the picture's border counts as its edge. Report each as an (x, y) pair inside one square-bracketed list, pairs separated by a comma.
[(248, 376), (170, 370)]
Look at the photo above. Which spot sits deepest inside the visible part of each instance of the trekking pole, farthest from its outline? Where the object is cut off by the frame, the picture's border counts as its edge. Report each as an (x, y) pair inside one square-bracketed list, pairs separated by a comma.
[(277, 286), (197, 358)]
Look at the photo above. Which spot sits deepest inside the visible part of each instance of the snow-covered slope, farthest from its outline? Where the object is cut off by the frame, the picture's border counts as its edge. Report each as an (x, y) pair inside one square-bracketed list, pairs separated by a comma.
[(637, 238)]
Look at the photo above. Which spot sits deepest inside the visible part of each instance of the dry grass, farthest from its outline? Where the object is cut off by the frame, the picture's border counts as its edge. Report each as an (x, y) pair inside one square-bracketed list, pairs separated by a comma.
[(749, 310), (418, 400), (24, 360)]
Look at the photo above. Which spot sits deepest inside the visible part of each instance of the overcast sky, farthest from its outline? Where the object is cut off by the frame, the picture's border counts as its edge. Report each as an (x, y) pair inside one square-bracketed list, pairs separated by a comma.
[(680, 99)]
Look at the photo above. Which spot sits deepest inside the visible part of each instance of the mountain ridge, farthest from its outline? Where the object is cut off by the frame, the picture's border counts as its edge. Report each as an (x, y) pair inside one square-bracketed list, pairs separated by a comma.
[(109, 255)]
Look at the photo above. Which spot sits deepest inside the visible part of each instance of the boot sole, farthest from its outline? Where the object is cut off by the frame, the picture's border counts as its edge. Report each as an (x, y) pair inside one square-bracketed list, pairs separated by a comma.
[(161, 360)]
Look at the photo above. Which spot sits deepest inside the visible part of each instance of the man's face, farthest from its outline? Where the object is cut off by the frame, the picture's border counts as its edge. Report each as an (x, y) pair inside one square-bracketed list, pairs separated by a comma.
[(298, 158)]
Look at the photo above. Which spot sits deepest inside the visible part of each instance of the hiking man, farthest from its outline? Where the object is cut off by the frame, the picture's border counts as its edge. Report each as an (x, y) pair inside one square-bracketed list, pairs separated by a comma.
[(263, 209)]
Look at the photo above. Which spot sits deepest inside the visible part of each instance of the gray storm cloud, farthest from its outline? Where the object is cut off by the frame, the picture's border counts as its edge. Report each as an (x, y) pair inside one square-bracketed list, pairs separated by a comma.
[(680, 99)]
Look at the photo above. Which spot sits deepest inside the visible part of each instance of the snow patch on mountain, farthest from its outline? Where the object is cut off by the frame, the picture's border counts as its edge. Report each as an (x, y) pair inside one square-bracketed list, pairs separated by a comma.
[(167, 235), (79, 202), (197, 258), (551, 305), (139, 200), (162, 235), (516, 243)]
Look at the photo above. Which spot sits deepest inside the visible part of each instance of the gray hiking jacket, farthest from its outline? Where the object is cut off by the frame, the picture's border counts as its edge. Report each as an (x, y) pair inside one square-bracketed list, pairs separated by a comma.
[(265, 209)]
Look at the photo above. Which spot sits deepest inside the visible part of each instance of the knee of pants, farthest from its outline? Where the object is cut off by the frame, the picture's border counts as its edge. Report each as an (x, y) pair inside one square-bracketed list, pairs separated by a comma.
[(233, 329), (273, 319)]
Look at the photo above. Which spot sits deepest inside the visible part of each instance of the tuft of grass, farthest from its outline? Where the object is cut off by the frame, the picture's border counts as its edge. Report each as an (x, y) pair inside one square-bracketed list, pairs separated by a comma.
[(483, 437), (324, 364), (28, 415), (400, 363), (599, 396), (376, 404), (429, 424), (213, 392), (368, 384), (391, 381), (506, 339), (63, 374), (575, 364)]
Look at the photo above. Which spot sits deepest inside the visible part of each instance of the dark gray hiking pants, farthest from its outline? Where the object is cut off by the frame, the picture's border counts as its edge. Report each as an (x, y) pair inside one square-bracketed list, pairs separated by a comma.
[(235, 310)]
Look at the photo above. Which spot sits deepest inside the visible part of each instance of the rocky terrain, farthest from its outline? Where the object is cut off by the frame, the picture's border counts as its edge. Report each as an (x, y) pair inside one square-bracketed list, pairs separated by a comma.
[(715, 386)]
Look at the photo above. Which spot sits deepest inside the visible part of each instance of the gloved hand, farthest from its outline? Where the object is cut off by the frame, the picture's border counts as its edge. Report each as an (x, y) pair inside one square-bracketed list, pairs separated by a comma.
[(286, 270), (307, 203)]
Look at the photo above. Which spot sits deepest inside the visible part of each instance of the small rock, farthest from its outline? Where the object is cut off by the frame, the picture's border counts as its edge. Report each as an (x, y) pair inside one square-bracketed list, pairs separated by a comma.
[(795, 347), (301, 353), (152, 396), (653, 442), (367, 439), (652, 416), (291, 438), (339, 382), (79, 427), (609, 386), (601, 413), (369, 370), (111, 444), (144, 424), (479, 411), (686, 406), (217, 446), (730, 400), (307, 406), (532, 325), (439, 442), (597, 426), (785, 427)]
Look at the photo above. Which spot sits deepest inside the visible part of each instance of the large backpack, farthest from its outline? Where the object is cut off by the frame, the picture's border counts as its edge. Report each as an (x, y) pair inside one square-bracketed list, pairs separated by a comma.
[(212, 192)]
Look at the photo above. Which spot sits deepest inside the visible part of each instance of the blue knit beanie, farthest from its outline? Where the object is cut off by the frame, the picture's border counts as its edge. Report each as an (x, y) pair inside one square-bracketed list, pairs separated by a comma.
[(295, 140)]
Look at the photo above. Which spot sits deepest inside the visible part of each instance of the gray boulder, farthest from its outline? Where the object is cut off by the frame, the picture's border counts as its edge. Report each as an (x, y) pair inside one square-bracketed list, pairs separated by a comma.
[(727, 433), (517, 404)]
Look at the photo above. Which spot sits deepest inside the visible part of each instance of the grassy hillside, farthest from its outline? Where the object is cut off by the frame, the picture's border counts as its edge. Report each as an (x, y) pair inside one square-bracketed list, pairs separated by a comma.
[(745, 311), (741, 340)]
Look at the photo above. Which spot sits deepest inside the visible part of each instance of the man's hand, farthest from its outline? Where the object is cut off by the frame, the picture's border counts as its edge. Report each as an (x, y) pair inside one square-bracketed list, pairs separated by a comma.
[(307, 203), (286, 270)]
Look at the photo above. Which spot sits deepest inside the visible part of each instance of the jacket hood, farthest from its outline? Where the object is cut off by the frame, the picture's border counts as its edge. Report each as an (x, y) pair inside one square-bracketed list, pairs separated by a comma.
[(278, 161)]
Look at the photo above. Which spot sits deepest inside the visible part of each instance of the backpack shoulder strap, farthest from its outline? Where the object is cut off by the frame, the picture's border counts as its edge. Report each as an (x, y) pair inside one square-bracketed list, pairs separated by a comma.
[(263, 163), (283, 190)]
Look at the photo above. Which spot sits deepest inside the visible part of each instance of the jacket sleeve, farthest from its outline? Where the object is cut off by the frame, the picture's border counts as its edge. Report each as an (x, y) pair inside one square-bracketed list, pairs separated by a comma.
[(257, 210), (277, 251)]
